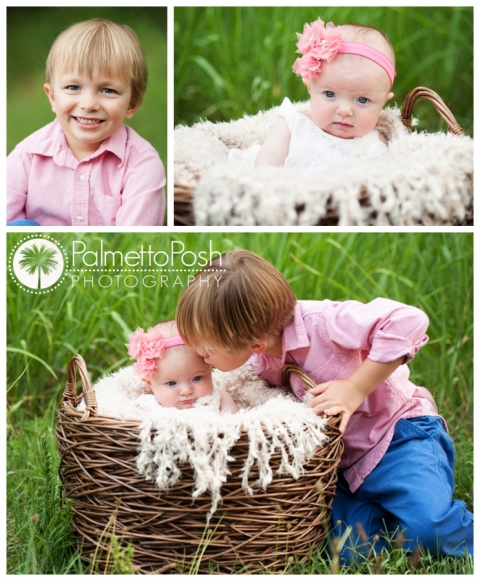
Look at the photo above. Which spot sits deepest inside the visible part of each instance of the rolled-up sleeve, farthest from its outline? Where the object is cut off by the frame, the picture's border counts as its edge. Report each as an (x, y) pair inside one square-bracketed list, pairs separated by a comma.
[(143, 195), (385, 329)]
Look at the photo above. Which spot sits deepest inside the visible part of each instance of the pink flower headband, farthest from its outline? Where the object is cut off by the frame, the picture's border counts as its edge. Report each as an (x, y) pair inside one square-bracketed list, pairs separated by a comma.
[(146, 348), (319, 42)]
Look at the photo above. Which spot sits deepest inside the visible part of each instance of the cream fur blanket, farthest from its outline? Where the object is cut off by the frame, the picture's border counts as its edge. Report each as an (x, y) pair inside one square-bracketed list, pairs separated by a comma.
[(273, 420), (423, 179)]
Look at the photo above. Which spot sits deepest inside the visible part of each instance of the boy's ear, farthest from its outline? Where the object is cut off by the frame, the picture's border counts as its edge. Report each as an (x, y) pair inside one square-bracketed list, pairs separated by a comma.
[(258, 347), (131, 111), (389, 96), (49, 91)]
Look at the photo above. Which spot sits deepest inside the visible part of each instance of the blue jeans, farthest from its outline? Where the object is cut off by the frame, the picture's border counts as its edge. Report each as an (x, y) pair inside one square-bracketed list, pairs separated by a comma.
[(409, 492), (22, 222)]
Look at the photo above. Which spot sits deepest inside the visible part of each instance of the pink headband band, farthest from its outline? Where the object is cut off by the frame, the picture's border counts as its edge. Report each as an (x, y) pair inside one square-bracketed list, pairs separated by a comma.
[(322, 43), (370, 53), (146, 348)]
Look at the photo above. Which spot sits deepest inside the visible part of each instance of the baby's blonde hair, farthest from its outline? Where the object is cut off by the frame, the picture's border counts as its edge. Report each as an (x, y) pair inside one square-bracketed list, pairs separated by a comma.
[(353, 32), (167, 328), (104, 46), (239, 299)]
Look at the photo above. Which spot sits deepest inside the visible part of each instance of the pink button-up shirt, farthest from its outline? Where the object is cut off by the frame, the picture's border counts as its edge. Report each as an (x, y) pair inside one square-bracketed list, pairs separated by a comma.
[(121, 184), (329, 340)]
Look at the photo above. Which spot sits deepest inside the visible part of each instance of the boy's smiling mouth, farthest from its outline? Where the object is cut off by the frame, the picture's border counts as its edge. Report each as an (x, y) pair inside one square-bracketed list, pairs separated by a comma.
[(88, 121)]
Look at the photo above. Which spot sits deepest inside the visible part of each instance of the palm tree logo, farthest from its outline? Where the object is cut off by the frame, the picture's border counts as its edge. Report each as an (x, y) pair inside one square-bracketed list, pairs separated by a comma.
[(38, 264), (38, 259)]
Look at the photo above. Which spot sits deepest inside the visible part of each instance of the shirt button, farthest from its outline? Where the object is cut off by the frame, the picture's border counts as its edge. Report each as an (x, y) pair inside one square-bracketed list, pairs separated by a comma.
[(81, 176), (80, 218)]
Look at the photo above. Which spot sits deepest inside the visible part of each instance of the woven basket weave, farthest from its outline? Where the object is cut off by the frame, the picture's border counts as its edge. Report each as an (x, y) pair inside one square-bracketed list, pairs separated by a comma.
[(168, 532), (183, 195)]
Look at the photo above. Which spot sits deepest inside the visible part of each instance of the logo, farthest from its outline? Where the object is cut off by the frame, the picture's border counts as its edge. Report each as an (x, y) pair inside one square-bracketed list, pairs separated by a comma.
[(38, 264)]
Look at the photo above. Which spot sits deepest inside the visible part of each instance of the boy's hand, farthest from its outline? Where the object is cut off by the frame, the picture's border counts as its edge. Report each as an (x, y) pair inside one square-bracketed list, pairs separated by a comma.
[(343, 396), (336, 397)]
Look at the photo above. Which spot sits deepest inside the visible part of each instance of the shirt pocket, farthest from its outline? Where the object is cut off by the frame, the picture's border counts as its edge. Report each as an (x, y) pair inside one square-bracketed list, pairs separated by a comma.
[(103, 209), (327, 371)]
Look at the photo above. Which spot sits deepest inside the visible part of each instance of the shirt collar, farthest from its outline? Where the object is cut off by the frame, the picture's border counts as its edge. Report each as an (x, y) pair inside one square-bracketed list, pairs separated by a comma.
[(56, 146), (294, 336)]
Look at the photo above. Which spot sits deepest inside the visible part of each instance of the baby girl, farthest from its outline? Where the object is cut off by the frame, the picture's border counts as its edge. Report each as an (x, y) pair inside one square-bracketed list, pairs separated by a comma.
[(176, 375), (348, 71)]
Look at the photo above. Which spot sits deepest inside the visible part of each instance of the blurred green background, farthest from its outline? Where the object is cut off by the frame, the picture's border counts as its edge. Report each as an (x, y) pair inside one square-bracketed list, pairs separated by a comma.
[(30, 34), (231, 61)]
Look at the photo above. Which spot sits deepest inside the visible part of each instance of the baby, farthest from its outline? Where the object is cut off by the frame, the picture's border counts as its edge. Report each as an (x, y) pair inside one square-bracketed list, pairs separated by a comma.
[(176, 375), (348, 71), (87, 168)]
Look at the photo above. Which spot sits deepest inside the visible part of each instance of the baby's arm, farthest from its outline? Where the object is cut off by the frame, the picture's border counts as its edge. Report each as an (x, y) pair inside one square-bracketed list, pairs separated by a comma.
[(344, 396), (143, 196), (274, 150), (226, 403)]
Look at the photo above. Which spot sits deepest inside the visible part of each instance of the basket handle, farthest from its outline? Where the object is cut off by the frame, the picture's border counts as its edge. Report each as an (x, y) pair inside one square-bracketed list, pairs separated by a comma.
[(438, 103), (298, 371), (77, 363), (290, 368)]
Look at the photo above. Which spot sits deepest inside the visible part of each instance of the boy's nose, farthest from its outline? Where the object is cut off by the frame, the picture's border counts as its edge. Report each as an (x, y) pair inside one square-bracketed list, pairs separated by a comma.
[(89, 101)]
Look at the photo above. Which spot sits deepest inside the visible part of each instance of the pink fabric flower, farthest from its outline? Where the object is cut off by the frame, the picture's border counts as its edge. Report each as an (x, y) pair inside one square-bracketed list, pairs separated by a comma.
[(317, 43), (146, 348)]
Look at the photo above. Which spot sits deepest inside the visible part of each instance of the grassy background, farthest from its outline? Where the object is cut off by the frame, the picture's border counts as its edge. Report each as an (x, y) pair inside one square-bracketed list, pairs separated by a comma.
[(31, 32), (431, 271), (231, 61)]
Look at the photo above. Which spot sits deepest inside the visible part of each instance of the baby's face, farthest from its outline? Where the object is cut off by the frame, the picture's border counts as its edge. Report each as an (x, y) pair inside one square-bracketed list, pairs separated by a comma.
[(348, 96), (182, 378), (89, 110)]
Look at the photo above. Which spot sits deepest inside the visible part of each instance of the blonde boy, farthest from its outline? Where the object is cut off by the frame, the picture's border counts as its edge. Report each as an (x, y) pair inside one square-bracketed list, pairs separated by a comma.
[(397, 452), (87, 168)]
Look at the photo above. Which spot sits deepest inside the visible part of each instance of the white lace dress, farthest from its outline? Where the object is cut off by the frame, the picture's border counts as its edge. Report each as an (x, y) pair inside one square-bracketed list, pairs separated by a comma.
[(313, 150)]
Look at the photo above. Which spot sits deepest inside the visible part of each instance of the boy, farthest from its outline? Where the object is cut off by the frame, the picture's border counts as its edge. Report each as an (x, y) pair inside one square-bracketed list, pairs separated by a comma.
[(397, 453), (87, 168)]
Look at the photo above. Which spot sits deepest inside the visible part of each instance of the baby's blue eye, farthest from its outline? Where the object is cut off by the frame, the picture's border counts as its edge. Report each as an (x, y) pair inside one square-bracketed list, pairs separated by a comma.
[(171, 383), (363, 100), (329, 94), (197, 378)]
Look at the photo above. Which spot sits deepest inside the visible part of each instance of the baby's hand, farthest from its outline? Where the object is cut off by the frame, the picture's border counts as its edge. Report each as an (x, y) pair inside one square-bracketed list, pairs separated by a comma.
[(336, 397)]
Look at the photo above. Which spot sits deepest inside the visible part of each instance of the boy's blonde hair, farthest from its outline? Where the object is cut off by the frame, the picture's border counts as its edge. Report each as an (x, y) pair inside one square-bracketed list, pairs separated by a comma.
[(238, 300), (104, 46)]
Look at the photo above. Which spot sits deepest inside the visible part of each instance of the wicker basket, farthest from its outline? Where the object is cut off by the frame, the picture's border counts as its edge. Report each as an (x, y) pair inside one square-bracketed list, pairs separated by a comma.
[(183, 195), (168, 532)]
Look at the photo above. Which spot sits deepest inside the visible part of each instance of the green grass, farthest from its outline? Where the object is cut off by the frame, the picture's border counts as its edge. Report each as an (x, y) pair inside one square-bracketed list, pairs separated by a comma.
[(429, 270), (231, 61)]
